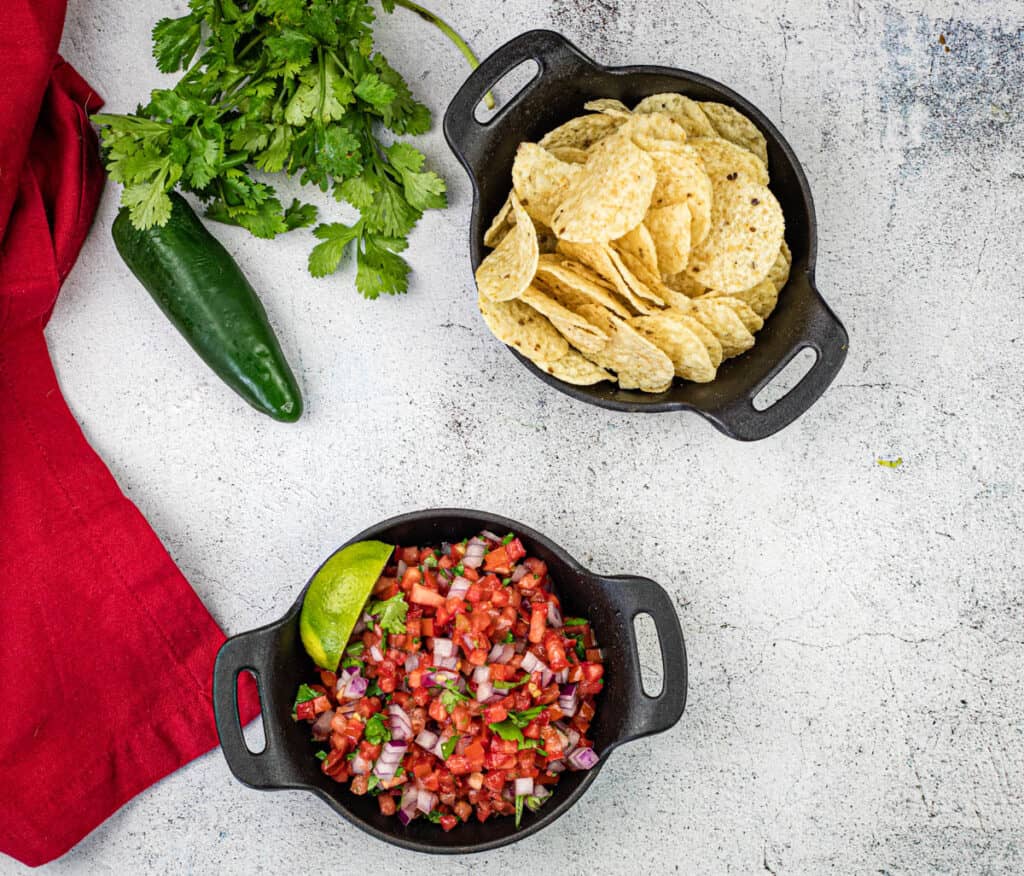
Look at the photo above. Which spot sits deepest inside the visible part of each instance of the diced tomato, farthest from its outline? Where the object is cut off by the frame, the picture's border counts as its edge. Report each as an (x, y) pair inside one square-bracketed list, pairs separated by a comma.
[(431, 782), (552, 742), (470, 574), (515, 550), (438, 712), (500, 597), (411, 578), (458, 552), (409, 555), (594, 655), (589, 688), (538, 622), (333, 761), (329, 679), (459, 765), (494, 780), (448, 822), (426, 626), (555, 651), (478, 656), (369, 751), (387, 804), (446, 562), (475, 753), (592, 671), (385, 587), (422, 596), (475, 593), (502, 672), (421, 769), (483, 811), (498, 561), (461, 718), (494, 714)]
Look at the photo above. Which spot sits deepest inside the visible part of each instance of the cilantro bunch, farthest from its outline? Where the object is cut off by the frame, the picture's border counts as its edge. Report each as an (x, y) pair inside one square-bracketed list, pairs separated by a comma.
[(280, 85)]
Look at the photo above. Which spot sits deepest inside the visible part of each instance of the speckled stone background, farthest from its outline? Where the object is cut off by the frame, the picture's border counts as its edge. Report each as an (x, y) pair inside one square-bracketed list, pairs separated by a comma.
[(856, 632)]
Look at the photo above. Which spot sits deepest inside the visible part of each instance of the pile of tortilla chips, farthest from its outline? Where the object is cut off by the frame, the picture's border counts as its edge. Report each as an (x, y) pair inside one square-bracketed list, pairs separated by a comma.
[(637, 245)]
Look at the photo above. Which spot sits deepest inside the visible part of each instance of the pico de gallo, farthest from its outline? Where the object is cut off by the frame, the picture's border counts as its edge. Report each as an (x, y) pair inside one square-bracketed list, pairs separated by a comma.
[(463, 691)]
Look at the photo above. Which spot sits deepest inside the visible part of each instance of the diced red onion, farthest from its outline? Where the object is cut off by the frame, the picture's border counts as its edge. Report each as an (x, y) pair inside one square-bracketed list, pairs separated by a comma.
[(360, 767), (568, 700), (401, 569), (495, 697), (463, 743), (562, 739), (484, 691), (443, 648), (583, 758), (404, 817), (546, 675), (519, 646), (562, 677), (524, 787), (518, 574), (501, 653), (347, 707), (437, 750), (412, 662), (554, 615), (399, 723), (468, 641), (426, 739), (540, 792), (490, 536), (407, 812), (481, 674), (375, 654), (531, 661), (475, 551), (446, 548), (322, 725), (573, 736), (425, 801), (390, 758), (355, 688), (459, 588), (447, 662), (556, 766)]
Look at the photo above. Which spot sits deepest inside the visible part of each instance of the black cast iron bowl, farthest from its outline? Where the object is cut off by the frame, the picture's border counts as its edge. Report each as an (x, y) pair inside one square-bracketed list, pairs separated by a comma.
[(275, 656), (566, 79)]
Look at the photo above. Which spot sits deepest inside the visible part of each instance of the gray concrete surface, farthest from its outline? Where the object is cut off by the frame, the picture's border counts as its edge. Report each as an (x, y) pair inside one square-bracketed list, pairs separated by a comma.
[(856, 633)]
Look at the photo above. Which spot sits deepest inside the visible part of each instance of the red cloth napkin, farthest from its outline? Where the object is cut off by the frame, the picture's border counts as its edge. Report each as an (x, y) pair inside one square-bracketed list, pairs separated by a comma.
[(106, 653)]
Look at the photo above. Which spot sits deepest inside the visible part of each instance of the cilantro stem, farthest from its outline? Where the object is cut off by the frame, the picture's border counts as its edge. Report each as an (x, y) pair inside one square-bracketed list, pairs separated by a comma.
[(452, 34)]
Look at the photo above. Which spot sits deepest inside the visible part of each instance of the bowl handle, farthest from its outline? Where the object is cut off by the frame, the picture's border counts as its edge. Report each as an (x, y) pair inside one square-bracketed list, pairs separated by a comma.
[(253, 652), (469, 138), (824, 334), (646, 714)]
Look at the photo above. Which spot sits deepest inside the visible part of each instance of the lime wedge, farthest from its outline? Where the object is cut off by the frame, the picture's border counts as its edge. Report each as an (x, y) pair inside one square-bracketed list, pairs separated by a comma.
[(335, 599)]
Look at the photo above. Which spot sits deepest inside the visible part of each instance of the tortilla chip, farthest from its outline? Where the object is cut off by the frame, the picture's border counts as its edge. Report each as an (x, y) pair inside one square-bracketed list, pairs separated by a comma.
[(508, 270), (574, 368), (684, 112), (541, 181), (707, 337), (747, 227), (652, 131), (572, 284), (500, 225), (779, 273), (599, 258), (582, 132), (761, 298), (608, 105), (573, 327), (644, 281), (670, 332), (681, 180), (610, 194), (725, 325), (751, 321), (641, 245), (685, 283), (730, 124), (570, 154), (638, 363), (724, 160), (523, 329), (670, 231)]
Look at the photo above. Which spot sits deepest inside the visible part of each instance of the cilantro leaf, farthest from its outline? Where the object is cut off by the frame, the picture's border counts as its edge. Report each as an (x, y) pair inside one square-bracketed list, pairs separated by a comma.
[(391, 613), (424, 191), (321, 755), (175, 42), (326, 256), (305, 694), (507, 730), (379, 270), (375, 731), (519, 808), (509, 685), (434, 816), (374, 91)]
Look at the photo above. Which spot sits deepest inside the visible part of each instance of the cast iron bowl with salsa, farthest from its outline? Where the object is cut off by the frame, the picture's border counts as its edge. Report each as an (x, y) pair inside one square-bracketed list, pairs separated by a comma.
[(275, 656)]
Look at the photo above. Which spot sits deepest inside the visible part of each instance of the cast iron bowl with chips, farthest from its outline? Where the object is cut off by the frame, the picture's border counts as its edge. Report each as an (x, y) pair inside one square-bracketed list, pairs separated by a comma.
[(565, 81), (277, 658)]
